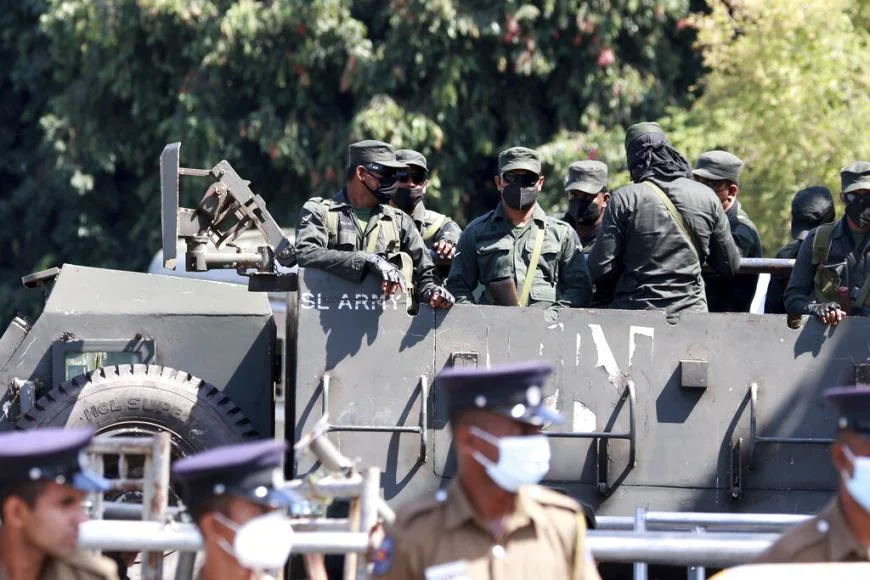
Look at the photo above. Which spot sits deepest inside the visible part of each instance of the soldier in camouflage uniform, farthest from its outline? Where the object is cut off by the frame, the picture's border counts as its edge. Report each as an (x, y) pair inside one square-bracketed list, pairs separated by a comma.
[(440, 233), (810, 208), (357, 231), (841, 532), (517, 246), (831, 276), (657, 233), (720, 171), (586, 186)]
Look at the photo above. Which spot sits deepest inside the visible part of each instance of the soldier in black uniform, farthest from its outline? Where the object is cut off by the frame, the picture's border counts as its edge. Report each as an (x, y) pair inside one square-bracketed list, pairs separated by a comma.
[(233, 495), (586, 186), (720, 171), (831, 272), (810, 208), (841, 532), (657, 233), (42, 486)]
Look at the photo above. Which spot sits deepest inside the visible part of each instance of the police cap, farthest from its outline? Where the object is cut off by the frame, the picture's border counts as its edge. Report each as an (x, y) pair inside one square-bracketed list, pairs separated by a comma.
[(853, 407), (370, 152), (513, 390), (247, 470), (411, 157), (50, 454), (519, 158), (718, 166), (588, 176)]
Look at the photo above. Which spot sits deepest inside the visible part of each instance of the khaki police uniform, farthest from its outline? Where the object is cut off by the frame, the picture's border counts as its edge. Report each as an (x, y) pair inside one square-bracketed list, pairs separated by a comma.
[(442, 538), (825, 538), (79, 566)]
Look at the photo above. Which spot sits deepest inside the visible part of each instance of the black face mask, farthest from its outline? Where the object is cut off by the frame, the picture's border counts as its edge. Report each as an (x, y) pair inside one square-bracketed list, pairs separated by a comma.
[(518, 197), (858, 209), (407, 198), (583, 211)]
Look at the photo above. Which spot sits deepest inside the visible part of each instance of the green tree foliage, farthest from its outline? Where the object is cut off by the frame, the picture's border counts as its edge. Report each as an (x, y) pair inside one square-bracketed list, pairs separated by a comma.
[(787, 91), (94, 90)]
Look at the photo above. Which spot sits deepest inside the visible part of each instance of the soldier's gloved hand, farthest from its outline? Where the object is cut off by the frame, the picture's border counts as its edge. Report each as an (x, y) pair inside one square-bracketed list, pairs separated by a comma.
[(444, 250), (827, 312), (390, 274), (439, 297)]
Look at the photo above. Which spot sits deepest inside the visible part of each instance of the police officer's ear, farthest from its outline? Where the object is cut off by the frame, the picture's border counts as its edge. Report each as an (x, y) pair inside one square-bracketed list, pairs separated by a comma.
[(731, 191), (540, 184), (15, 512), (839, 459), (210, 526)]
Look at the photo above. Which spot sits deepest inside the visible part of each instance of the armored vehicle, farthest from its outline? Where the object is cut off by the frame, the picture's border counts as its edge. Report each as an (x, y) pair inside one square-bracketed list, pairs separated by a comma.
[(712, 412)]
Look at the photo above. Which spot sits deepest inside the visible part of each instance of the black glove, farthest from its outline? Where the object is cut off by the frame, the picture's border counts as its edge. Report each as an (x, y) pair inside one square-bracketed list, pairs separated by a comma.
[(819, 310), (387, 271), (439, 290)]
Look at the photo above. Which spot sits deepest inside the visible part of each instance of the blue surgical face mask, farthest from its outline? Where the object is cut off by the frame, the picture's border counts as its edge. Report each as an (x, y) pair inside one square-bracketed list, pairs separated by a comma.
[(858, 484)]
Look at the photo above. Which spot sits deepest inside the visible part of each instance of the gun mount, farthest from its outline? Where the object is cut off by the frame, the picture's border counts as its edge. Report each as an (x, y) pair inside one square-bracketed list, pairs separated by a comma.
[(227, 209)]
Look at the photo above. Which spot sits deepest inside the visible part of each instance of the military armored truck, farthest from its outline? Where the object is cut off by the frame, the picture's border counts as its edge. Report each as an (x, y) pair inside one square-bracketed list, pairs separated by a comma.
[(712, 412)]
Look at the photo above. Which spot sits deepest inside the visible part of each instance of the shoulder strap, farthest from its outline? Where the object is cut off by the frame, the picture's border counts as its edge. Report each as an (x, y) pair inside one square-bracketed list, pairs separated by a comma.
[(822, 243), (678, 217), (533, 264), (331, 219), (434, 226)]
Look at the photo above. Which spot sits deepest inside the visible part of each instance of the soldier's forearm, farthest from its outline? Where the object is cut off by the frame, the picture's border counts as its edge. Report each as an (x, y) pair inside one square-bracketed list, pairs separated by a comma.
[(348, 265)]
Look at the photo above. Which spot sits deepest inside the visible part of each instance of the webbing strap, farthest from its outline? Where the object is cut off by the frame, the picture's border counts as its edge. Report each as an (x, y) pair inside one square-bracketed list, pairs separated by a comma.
[(862, 295), (533, 265), (372, 242), (678, 217), (822, 243), (434, 227)]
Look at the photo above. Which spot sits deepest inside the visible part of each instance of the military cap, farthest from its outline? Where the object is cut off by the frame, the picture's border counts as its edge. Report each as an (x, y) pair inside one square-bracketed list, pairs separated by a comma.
[(50, 454), (247, 470), (519, 158), (639, 129), (811, 207), (587, 176), (718, 166), (855, 176), (377, 152), (513, 390), (853, 407), (411, 157)]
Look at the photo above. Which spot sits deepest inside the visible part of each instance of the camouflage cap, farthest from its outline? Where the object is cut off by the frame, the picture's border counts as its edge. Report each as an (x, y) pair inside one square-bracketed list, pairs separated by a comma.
[(644, 128), (587, 176), (411, 157), (855, 176), (519, 158), (718, 166), (368, 151)]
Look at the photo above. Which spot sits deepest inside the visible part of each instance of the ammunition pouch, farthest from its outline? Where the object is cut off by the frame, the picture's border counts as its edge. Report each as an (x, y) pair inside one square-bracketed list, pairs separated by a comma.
[(828, 280), (503, 292)]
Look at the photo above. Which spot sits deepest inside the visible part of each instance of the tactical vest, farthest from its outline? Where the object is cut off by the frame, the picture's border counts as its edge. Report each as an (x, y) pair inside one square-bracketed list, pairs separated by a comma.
[(392, 239), (438, 221), (827, 281)]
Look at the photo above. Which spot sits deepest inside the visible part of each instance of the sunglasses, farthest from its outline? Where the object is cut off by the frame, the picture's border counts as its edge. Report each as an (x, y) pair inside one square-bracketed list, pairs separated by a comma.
[(524, 179), (415, 176), (385, 176)]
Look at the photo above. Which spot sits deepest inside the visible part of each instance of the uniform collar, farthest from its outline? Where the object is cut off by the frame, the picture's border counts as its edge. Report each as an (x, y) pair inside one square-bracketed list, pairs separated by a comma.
[(458, 510), (839, 538), (340, 200), (733, 212), (419, 213), (498, 214)]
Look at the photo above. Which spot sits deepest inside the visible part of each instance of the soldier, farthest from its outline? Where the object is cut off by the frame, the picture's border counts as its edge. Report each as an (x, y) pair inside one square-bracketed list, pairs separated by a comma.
[(357, 231), (517, 246), (720, 171), (586, 186), (492, 521), (440, 233), (841, 532), (232, 495), (656, 233), (42, 486), (830, 277), (810, 208)]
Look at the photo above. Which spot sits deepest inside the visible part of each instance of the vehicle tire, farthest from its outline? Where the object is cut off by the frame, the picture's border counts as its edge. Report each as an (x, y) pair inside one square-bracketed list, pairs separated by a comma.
[(137, 399)]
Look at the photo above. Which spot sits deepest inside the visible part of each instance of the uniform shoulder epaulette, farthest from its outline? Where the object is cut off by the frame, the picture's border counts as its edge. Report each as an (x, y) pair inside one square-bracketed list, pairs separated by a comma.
[(97, 566), (559, 223), (413, 510), (553, 498), (478, 220), (801, 537)]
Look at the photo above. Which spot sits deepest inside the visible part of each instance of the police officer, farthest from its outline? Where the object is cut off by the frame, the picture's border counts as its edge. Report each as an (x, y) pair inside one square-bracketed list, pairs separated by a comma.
[(720, 171), (810, 208), (841, 532), (357, 231), (521, 256), (656, 233), (42, 486), (830, 276), (586, 186), (492, 521), (232, 492), (440, 233)]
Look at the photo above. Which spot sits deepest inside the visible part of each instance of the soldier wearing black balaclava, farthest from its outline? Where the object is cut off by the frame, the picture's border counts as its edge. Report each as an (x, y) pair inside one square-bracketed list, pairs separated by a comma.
[(831, 271), (810, 208), (657, 232)]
